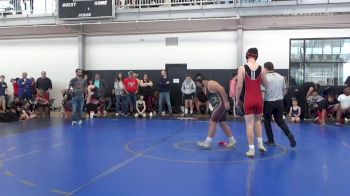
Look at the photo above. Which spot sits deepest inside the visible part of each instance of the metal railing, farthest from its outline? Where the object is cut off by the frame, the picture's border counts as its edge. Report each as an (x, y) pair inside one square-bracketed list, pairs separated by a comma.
[(27, 7), (48, 7)]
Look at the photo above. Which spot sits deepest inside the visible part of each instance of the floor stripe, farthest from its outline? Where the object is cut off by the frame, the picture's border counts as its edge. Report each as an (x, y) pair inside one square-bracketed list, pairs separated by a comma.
[(346, 144), (124, 163), (12, 149), (8, 173), (21, 155), (57, 145), (59, 192), (249, 178), (28, 183)]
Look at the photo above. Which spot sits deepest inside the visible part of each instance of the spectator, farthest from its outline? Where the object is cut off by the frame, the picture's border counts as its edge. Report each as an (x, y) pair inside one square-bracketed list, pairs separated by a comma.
[(119, 91), (43, 103), (34, 91), (78, 87), (44, 83), (92, 101), (27, 111), (131, 87), (313, 99), (101, 86), (147, 91), (3, 93), (25, 87), (16, 106), (15, 87), (344, 109), (164, 93), (232, 93), (101, 89), (294, 112), (326, 106), (188, 90), (140, 108)]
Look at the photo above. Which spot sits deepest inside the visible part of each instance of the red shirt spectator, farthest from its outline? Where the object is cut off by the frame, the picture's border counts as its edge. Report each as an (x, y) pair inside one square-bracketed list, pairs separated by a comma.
[(15, 89), (131, 84)]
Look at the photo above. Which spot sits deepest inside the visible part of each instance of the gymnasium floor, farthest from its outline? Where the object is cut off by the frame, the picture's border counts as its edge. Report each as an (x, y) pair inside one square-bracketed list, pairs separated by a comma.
[(127, 157)]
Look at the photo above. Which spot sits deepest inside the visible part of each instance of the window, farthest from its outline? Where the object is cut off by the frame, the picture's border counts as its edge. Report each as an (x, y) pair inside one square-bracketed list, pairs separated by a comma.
[(323, 61)]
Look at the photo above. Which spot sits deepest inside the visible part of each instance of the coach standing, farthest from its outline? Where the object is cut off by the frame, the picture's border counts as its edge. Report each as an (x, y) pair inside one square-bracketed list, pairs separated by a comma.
[(273, 104)]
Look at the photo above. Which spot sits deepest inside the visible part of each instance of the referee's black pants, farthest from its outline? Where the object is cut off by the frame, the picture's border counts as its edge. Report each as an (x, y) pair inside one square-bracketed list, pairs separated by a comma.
[(275, 108)]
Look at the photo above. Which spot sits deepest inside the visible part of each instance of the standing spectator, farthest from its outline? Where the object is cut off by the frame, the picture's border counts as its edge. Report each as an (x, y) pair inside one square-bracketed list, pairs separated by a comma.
[(15, 87), (101, 88), (119, 91), (34, 91), (3, 93), (188, 90), (232, 93), (78, 86), (25, 87), (344, 109), (273, 105), (164, 93), (131, 86), (44, 83), (147, 91)]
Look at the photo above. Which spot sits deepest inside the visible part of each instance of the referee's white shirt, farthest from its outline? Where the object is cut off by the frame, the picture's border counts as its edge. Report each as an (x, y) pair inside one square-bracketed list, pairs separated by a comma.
[(276, 85)]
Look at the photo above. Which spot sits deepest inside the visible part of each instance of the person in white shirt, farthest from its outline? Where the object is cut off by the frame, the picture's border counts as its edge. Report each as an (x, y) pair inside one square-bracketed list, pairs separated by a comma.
[(344, 100), (188, 90)]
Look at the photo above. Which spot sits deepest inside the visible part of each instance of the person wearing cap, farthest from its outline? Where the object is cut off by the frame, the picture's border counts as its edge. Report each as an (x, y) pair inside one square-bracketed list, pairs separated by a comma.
[(273, 105), (131, 86), (188, 90), (219, 100), (250, 100), (164, 93)]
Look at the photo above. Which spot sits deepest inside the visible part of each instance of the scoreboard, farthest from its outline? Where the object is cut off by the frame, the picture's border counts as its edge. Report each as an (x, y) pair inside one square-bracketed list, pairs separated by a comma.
[(85, 9)]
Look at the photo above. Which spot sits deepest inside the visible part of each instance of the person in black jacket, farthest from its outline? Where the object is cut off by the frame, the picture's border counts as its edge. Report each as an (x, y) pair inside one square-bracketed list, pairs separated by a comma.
[(164, 93)]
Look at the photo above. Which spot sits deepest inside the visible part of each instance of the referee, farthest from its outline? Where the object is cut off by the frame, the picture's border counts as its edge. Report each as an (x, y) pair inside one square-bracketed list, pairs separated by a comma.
[(273, 105)]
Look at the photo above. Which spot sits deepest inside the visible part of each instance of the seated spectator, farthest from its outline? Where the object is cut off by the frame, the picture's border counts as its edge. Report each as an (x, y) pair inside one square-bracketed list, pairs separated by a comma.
[(312, 104), (3, 93), (140, 108), (313, 99), (92, 101), (327, 106), (66, 104), (16, 106), (43, 103), (201, 102), (344, 109), (27, 111), (188, 90), (294, 112)]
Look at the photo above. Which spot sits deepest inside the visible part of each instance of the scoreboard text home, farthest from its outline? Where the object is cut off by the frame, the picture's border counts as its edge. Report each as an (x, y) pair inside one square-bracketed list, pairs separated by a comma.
[(85, 9)]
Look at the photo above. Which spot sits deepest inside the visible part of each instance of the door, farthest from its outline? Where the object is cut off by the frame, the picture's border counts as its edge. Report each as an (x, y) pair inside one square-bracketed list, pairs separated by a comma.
[(176, 74)]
